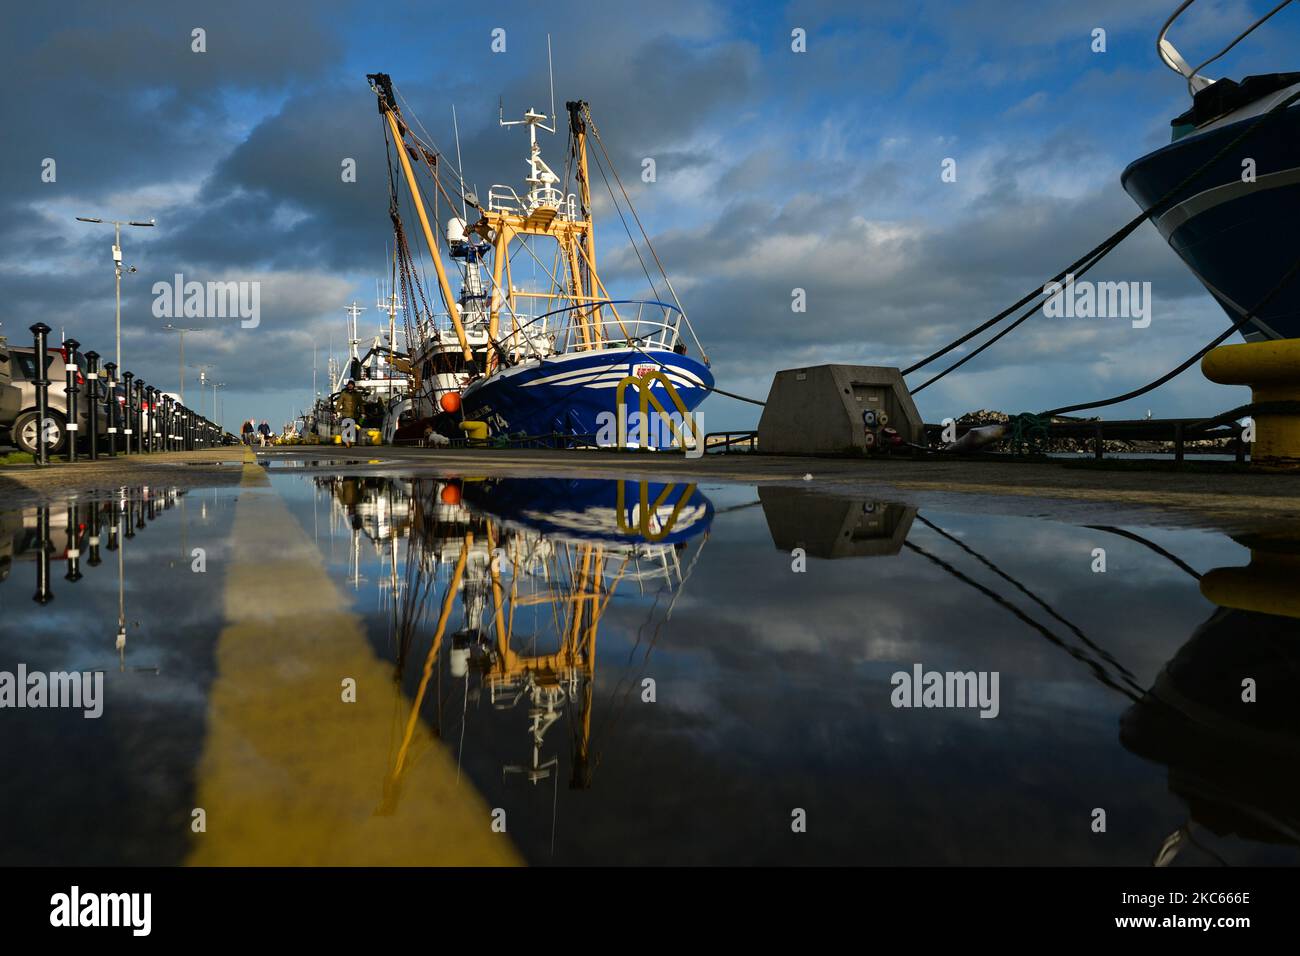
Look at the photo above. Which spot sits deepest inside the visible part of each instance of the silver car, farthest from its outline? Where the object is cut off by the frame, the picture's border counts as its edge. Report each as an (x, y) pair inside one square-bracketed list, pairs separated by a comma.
[(18, 416)]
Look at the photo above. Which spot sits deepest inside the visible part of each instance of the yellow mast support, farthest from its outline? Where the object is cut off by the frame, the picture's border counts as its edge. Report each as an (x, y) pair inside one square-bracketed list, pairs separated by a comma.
[(447, 604), (584, 189), (443, 284), (499, 258)]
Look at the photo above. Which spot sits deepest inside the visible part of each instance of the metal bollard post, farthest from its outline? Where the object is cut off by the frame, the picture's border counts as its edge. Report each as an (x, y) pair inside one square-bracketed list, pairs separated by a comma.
[(92, 401), (111, 408), (166, 443), (150, 424), (43, 593), (42, 382), (128, 411), (114, 519), (141, 432), (95, 512), (74, 419), (155, 425), (74, 545)]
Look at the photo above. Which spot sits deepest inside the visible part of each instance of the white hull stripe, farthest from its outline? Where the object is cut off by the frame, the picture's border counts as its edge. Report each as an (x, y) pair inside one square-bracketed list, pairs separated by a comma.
[(674, 373), (1169, 222)]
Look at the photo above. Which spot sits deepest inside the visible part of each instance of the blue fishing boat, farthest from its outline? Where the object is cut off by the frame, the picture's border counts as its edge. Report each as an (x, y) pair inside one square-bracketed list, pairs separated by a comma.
[(1230, 185), (554, 355)]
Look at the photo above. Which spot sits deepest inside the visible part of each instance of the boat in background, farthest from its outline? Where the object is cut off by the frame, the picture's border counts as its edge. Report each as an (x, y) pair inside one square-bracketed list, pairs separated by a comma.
[(544, 359), (1232, 229), (381, 375)]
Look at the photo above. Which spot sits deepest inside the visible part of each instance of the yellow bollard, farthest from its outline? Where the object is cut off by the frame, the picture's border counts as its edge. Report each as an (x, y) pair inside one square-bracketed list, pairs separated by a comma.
[(1266, 585), (475, 430), (1272, 370)]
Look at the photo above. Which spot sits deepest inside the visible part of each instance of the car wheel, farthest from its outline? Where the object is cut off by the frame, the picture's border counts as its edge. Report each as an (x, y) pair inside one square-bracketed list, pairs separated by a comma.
[(27, 426)]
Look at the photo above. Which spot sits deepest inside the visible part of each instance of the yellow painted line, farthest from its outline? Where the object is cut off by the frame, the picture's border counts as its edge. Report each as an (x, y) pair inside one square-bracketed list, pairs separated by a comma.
[(292, 775)]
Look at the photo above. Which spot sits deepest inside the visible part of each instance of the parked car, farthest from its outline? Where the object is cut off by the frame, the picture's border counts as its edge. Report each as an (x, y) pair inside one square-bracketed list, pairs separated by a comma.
[(18, 415), (11, 396)]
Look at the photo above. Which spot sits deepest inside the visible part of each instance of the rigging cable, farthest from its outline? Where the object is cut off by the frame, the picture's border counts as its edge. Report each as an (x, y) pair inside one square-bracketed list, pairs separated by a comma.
[(1184, 366), (1247, 32), (1107, 245)]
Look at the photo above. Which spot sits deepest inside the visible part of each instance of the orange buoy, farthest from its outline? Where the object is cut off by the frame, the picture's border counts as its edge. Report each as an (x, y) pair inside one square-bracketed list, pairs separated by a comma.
[(450, 402), (450, 493)]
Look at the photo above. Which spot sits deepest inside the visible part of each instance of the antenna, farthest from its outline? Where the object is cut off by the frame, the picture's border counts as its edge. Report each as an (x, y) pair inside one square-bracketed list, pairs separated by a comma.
[(460, 174), (550, 69)]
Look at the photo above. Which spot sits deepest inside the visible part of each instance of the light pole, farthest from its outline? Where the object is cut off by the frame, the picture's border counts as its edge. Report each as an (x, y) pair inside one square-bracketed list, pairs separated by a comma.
[(203, 380), (117, 267), (216, 415), (181, 374)]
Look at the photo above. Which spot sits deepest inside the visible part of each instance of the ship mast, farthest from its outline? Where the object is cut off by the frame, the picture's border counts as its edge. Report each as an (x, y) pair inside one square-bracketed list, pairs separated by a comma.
[(382, 84)]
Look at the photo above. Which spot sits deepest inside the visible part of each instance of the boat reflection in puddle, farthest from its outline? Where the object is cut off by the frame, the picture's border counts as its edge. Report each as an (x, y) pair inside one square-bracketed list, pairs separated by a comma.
[(1224, 714), (506, 586), (485, 556)]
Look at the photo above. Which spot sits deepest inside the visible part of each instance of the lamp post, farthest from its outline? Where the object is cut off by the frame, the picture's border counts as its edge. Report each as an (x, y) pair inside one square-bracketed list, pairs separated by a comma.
[(203, 380), (181, 373), (117, 267), (216, 414)]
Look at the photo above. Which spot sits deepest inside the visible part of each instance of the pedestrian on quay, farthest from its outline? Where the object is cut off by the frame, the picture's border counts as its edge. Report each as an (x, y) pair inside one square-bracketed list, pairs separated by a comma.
[(349, 408), (247, 433), (264, 433)]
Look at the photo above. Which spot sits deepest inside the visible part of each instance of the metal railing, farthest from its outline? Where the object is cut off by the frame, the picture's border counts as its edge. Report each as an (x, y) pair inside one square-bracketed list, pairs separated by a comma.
[(143, 417), (504, 199)]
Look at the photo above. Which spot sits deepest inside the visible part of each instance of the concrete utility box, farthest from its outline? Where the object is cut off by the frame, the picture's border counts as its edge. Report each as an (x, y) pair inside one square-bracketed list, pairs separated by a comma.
[(818, 410), (827, 526)]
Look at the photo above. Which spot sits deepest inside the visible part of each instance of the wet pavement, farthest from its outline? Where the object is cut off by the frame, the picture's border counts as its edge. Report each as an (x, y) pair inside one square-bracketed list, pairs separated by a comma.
[(556, 670)]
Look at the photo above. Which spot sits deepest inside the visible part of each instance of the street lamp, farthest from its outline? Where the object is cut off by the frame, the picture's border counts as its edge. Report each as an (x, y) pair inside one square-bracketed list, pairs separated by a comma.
[(203, 380), (176, 328), (117, 266)]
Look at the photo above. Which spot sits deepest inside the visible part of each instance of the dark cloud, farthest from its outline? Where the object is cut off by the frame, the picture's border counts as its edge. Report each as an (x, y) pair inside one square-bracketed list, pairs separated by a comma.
[(776, 170)]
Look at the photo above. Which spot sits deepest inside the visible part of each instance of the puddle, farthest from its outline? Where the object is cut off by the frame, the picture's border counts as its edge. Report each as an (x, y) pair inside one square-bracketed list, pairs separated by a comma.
[(107, 585), (321, 463), (649, 673)]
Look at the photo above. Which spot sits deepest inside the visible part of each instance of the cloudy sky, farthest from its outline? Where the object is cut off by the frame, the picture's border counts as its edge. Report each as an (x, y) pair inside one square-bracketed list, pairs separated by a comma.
[(776, 170)]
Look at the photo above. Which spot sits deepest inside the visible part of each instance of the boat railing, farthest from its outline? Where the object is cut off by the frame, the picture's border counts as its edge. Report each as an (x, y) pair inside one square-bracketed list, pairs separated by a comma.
[(602, 324), (504, 199), (1171, 58)]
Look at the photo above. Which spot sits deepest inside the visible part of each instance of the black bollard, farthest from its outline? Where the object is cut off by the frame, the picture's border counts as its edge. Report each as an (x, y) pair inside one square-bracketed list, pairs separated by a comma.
[(155, 427), (73, 553), (96, 514), (146, 419), (114, 518), (43, 593), (128, 411), (72, 388), (42, 382), (92, 401), (111, 406), (141, 417)]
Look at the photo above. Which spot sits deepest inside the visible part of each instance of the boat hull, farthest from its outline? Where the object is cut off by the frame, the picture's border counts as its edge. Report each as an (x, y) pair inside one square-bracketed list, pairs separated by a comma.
[(587, 510), (575, 393), (1236, 236)]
